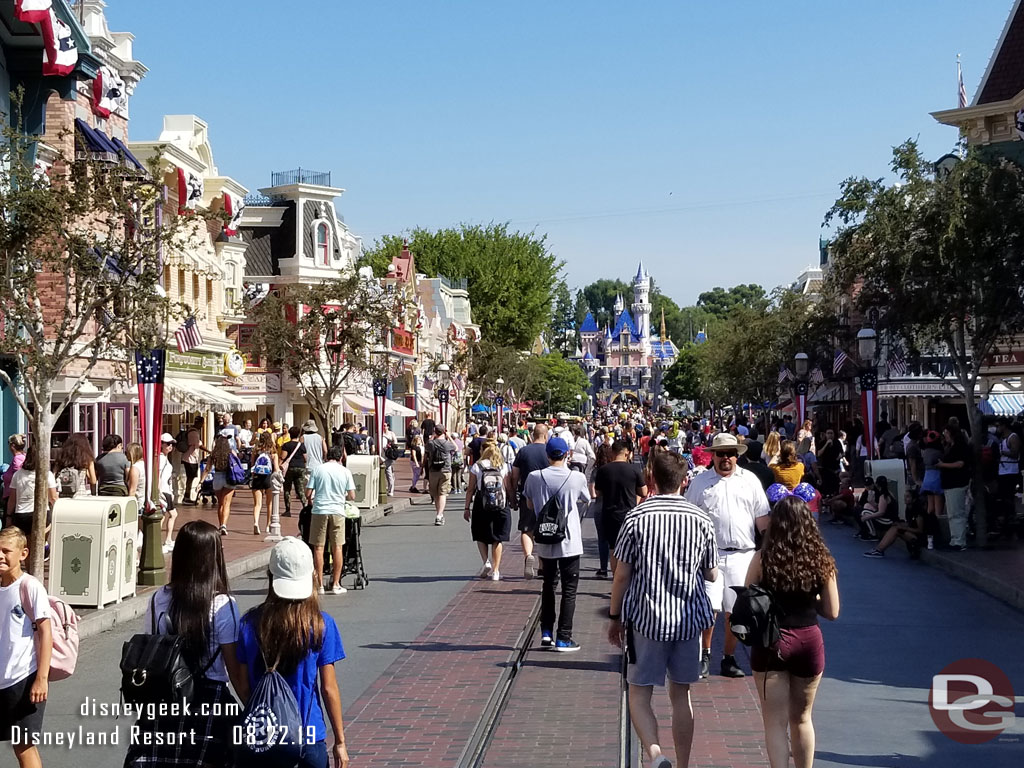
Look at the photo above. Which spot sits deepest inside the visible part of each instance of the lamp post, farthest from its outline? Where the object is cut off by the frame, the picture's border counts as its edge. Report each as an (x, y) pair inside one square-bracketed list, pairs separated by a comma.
[(499, 404), (579, 404), (443, 372), (867, 346), (800, 367)]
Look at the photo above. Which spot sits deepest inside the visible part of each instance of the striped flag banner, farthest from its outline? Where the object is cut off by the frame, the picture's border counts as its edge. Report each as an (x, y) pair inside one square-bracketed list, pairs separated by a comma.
[(188, 337), (380, 396), (961, 91), (784, 374), (817, 377), (840, 360), (869, 405), (897, 364), (442, 406), (149, 373), (499, 407)]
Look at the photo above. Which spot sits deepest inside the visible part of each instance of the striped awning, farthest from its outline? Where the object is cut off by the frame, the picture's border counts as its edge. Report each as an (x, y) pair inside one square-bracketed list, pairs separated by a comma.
[(1006, 404)]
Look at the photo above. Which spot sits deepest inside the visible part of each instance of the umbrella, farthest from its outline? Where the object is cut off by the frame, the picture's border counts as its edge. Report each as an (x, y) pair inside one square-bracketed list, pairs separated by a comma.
[(481, 408)]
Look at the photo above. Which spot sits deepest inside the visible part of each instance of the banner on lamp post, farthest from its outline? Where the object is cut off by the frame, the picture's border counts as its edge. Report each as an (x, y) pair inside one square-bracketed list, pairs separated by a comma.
[(149, 374), (442, 406), (869, 407), (499, 407), (380, 395), (801, 402)]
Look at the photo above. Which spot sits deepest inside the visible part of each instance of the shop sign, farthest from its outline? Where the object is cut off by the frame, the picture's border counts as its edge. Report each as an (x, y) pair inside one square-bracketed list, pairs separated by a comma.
[(917, 389), (256, 383), (403, 341), (195, 362), (1005, 358)]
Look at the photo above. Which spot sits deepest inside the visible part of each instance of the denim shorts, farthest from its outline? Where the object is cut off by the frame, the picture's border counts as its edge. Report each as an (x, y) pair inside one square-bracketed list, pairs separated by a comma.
[(679, 658)]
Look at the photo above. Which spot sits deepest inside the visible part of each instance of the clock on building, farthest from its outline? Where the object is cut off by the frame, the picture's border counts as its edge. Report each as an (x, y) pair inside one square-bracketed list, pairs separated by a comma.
[(234, 364)]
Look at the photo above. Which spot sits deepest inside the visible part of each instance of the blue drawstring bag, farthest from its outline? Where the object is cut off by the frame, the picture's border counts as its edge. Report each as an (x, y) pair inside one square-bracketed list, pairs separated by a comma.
[(236, 472), (273, 733)]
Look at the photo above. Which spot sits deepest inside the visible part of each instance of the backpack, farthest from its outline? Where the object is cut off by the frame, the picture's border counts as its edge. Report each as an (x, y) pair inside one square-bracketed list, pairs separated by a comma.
[(63, 629), (154, 668), (262, 465), (181, 441), (490, 494), (895, 449), (236, 472), (68, 479), (553, 519), (754, 619), (439, 457), (392, 452), (271, 724)]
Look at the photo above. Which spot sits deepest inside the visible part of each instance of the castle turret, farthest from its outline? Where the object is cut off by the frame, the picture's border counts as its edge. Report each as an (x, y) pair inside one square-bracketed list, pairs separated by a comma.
[(642, 306), (619, 305)]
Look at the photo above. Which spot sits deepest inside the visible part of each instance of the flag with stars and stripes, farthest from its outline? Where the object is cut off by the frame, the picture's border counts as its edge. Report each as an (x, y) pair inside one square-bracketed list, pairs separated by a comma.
[(961, 91), (149, 372), (380, 396), (60, 52), (784, 374), (817, 377), (897, 365), (840, 360), (188, 336)]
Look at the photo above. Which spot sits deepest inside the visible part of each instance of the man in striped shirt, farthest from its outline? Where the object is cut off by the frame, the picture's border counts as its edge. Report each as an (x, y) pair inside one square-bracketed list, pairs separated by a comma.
[(666, 550)]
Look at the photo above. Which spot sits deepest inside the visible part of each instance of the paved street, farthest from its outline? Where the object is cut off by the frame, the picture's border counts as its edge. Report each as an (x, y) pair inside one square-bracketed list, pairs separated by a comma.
[(427, 642)]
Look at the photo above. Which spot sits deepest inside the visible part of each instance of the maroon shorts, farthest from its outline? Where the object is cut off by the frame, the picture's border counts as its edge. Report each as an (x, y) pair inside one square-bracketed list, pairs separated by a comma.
[(801, 652)]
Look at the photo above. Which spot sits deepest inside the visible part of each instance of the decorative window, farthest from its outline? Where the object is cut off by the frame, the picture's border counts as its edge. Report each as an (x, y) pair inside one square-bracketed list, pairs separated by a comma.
[(323, 244)]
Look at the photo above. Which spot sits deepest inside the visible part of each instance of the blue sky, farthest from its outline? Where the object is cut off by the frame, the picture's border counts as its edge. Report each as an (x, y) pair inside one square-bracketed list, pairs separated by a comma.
[(706, 137)]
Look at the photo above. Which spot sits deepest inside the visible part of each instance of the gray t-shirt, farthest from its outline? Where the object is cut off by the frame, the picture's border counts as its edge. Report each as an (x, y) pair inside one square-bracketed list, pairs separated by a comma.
[(443, 447), (314, 450), (111, 469), (571, 487)]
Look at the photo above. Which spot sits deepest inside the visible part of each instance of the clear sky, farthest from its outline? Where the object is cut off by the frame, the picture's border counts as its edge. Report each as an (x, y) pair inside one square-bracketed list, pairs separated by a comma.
[(706, 137)]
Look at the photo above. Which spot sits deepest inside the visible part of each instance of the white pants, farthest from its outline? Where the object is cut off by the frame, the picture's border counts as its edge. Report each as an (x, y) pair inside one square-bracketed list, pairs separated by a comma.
[(732, 572)]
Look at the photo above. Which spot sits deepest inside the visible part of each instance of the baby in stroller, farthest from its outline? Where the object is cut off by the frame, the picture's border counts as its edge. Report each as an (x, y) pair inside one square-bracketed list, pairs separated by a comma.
[(206, 489)]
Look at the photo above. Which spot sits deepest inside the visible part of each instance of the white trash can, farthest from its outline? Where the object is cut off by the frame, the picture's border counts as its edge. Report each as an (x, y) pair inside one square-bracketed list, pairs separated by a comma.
[(365, 469), (90, 550)]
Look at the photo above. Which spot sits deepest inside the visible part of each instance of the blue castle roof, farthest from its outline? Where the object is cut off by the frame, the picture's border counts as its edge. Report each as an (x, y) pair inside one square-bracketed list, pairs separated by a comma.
[(622, 322), (588, 356), (663, 350), (641, 273), (589, 324)]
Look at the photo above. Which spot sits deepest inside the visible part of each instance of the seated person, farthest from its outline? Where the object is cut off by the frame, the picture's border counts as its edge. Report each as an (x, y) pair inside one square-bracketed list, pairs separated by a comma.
[(879, 511), (912, 533), (843, 504)]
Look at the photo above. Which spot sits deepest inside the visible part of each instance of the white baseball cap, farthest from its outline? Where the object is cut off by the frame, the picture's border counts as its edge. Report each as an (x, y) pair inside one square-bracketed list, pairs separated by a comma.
[(166, 438), (291, 565)]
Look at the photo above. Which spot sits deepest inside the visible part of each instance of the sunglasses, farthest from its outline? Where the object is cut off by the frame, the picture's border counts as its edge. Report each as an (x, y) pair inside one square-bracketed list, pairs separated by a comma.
[(728, 455)]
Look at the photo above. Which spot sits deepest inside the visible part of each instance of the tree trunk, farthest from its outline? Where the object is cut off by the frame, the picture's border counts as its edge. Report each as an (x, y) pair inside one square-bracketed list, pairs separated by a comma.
[(42, 426)]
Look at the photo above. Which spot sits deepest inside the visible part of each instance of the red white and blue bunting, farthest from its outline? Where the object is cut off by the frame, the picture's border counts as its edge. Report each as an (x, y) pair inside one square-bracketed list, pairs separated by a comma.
[(108, 92), (190, 190), (380, 395), (60, 52), (233, 207)]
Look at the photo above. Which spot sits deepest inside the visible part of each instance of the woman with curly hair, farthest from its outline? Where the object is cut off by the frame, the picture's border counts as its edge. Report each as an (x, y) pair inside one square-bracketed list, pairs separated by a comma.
[(795, 565), (76, 472)]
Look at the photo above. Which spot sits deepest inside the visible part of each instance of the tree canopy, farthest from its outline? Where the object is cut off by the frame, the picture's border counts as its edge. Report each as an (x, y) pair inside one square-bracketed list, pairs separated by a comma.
[(721, 301), (512, 276)]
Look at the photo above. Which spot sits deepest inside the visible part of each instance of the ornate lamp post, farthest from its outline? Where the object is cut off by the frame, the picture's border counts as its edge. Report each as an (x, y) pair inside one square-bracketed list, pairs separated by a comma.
[(499, 404), (800, 361), (867, 346), (444, 376), (579, 404)]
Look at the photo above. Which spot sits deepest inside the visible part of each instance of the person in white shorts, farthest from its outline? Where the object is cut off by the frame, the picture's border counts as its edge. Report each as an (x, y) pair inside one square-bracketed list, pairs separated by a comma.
[(737, 504)]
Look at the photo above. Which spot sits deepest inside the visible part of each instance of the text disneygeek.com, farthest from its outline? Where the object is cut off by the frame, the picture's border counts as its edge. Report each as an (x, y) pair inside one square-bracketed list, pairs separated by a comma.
[(135, 733)]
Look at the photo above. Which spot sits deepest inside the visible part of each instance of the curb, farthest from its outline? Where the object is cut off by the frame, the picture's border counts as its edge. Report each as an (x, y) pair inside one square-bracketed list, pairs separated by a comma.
[(116, 614), (1012, 595)]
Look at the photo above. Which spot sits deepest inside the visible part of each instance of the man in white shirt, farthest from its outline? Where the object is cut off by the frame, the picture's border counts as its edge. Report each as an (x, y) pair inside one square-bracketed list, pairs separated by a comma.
[(389, 440), (735, 500)]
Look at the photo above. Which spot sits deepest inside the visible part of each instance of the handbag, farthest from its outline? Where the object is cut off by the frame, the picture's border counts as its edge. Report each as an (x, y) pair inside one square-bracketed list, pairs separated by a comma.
[(288, 461)]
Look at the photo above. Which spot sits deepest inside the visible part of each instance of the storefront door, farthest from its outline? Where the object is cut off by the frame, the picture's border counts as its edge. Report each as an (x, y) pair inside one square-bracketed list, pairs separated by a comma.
[(118, 421)]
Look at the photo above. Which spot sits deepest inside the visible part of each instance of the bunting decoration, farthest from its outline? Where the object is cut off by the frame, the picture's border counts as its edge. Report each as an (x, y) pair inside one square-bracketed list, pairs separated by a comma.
[(1018, 122), (233, 207), (60, 53), (32, 11), (108, 92), (190, 190), (380, 396), (149, 373), (442, 406)]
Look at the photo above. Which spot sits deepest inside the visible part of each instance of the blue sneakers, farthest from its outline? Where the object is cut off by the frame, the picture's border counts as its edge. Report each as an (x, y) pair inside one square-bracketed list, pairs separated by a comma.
[(546, 640), (567, 646)]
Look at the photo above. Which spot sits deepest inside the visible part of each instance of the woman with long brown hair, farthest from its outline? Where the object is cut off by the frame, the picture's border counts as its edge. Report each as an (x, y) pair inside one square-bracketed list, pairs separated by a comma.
[(290, 634), (789, 469), (217, 464), (772, 448), (265, 463), (795, 565), (76, 473)]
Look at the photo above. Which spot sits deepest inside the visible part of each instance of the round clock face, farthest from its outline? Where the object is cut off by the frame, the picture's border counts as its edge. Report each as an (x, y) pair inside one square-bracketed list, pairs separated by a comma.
[(234, 364)]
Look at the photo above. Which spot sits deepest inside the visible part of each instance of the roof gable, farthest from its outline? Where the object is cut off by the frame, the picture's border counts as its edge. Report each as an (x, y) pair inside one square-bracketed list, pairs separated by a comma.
[(625, 322), (1004, 77), (589, 324)]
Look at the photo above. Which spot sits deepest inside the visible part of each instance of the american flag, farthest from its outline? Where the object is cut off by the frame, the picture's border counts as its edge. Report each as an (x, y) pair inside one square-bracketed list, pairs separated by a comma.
[(962, 92), (897, 365), (784, 373), (817, 377), (839, 362), (188, 336), (149, 372)]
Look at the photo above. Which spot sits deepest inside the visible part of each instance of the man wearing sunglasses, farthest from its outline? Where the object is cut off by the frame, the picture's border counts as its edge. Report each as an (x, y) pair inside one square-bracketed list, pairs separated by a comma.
[(736, 502)]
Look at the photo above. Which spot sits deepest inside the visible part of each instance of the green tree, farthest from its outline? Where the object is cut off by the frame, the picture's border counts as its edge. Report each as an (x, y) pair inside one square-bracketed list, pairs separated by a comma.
[(563, 323), (511, 276), (683, 381), (557, 381), (331, 343), (600, 299), (942, 258), (720, 301), (81, 287)]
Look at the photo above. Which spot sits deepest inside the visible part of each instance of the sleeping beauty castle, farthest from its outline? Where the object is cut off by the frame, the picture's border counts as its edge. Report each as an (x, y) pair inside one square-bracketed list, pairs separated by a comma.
[(626, 361)]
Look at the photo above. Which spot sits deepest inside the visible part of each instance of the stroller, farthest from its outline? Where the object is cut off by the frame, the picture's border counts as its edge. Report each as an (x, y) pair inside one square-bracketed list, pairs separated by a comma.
[(352, 551), (206, 489)]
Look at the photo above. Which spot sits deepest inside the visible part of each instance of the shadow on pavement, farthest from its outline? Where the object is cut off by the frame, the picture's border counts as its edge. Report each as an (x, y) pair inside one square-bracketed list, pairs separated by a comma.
[(436, 647)]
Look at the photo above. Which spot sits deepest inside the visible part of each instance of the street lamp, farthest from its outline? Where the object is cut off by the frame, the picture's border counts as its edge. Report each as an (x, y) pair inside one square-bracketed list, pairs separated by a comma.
[(579, 404), (443, 372), (800, 361), (867, 346), (499, 404)]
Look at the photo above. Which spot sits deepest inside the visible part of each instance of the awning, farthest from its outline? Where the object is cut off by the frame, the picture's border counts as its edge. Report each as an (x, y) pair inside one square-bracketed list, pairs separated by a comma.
[(128, 156), (1009, 404), (833, 393), (364, 407), (96, 143), (200, 393)]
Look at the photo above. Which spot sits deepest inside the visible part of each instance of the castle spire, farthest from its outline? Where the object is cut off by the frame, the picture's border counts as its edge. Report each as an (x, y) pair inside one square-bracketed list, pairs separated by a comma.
[(663, 338)]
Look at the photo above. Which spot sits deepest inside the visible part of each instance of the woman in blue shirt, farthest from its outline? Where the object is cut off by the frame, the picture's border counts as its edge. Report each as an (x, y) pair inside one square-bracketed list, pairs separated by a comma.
[(290, 629)]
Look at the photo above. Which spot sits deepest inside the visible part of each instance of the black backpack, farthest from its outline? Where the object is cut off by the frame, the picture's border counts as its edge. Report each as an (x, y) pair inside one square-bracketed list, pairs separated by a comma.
[(490, 495), (181, 441), (438, 455), (553, 519), (154, 668), (754, 619)]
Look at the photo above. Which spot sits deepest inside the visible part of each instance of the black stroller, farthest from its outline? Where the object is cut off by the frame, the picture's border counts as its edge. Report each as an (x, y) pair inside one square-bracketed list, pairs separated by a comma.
[(352, 552)]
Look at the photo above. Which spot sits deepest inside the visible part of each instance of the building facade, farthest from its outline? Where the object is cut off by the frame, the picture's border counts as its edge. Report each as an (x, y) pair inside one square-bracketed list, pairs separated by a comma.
[(625, 362)]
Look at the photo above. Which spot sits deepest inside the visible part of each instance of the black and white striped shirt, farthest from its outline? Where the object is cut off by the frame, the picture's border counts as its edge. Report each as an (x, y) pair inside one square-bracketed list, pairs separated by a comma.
[(667, 541)]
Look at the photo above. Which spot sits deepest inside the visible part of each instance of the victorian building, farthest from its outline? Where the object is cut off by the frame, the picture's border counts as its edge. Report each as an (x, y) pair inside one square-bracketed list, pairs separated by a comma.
[(624, 361)]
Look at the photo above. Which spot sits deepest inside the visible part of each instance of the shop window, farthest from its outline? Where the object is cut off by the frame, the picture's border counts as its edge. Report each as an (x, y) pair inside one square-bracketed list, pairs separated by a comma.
[(323, 244), (209, 299)]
